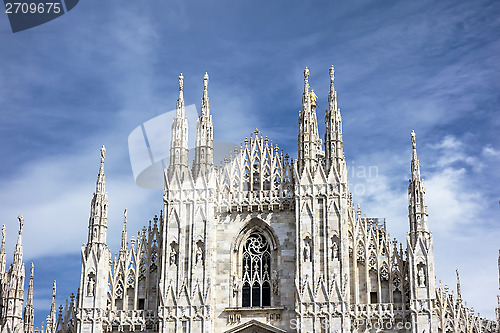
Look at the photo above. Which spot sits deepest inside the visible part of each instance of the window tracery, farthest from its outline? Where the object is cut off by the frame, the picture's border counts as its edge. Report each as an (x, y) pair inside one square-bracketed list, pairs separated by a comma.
[(256, 271)]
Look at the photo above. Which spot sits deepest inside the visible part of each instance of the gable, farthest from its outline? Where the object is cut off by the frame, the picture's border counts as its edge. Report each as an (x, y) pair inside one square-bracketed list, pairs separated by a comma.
[(254, 326)]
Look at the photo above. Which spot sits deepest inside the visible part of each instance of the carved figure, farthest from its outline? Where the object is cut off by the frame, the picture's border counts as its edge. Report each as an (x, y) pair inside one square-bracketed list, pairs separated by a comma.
[(313, 97), (234, 285), (173, 255), (307, 251), (90, 287), (275, 282), (421, 277), (103, 153), (335, 250), (199, 255), (21, 223)]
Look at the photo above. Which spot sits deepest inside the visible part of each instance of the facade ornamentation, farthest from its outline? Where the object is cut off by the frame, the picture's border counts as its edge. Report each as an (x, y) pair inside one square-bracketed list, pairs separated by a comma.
[(261, 243)]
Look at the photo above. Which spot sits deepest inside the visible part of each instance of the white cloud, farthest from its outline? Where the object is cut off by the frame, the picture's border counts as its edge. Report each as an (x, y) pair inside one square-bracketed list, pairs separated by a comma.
[(490, 152), (54, 197)]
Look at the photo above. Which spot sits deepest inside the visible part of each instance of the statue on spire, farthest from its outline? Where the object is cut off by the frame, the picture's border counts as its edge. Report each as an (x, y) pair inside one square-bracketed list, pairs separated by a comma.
[(413, 143), (103, 153), (205, 81), (306, 82), (181, 82), (313, 97), (332, 74), (21, 223)]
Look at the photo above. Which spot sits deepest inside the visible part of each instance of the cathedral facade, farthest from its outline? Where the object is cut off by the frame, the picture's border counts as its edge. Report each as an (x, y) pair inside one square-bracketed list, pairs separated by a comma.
[(261, 243)]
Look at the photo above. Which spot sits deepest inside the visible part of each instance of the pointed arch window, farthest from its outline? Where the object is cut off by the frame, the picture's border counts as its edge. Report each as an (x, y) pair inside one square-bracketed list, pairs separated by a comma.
[(256, 271)]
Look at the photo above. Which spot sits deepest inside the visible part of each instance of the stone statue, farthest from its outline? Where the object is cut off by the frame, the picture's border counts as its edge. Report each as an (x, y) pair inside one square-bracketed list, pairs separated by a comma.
[(21, 223), (90, 287), (421, 277), (173, 255), (181, 82), (199, 255), (275, 282), (307, 251), (335, 250), (103, 153), (234, 285)]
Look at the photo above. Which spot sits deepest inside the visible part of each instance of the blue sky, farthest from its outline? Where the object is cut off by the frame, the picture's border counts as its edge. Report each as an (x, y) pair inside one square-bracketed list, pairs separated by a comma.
[(93, 75)]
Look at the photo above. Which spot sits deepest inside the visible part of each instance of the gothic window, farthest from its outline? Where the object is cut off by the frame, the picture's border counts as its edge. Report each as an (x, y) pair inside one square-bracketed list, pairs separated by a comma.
[(256, 271)]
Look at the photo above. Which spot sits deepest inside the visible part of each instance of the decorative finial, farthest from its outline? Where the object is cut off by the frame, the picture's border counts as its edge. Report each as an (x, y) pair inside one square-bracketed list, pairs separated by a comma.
[(306, 73), (21, 223), (205, 81), (32, 270), (103, 153), (3, 233), (332, 74), (125, 214), (181, 82), (54, 289)]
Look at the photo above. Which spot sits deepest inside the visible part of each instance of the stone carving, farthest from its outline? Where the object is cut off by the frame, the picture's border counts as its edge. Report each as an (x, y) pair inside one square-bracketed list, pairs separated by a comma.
[(173, 254), (421, 276), (307, 251), (90, 287), (275, 282), (199, 254), (335, 250), (235, 286)]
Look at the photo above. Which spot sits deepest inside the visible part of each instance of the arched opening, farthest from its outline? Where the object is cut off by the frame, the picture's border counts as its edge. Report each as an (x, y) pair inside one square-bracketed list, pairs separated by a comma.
[(256, 270), (255, 273)]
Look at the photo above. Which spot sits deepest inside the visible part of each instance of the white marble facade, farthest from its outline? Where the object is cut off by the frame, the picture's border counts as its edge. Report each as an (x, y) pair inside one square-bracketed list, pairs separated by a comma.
[(263, 243)]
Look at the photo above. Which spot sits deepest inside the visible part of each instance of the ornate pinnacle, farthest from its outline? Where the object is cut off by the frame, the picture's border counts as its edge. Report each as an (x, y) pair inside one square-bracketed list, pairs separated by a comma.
[(32, 270), (332, 75), (413, 143), (459, 292), (205, 81)]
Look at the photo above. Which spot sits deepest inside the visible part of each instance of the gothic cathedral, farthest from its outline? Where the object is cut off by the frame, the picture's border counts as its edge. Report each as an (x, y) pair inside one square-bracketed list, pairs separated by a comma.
[(262, 243)]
